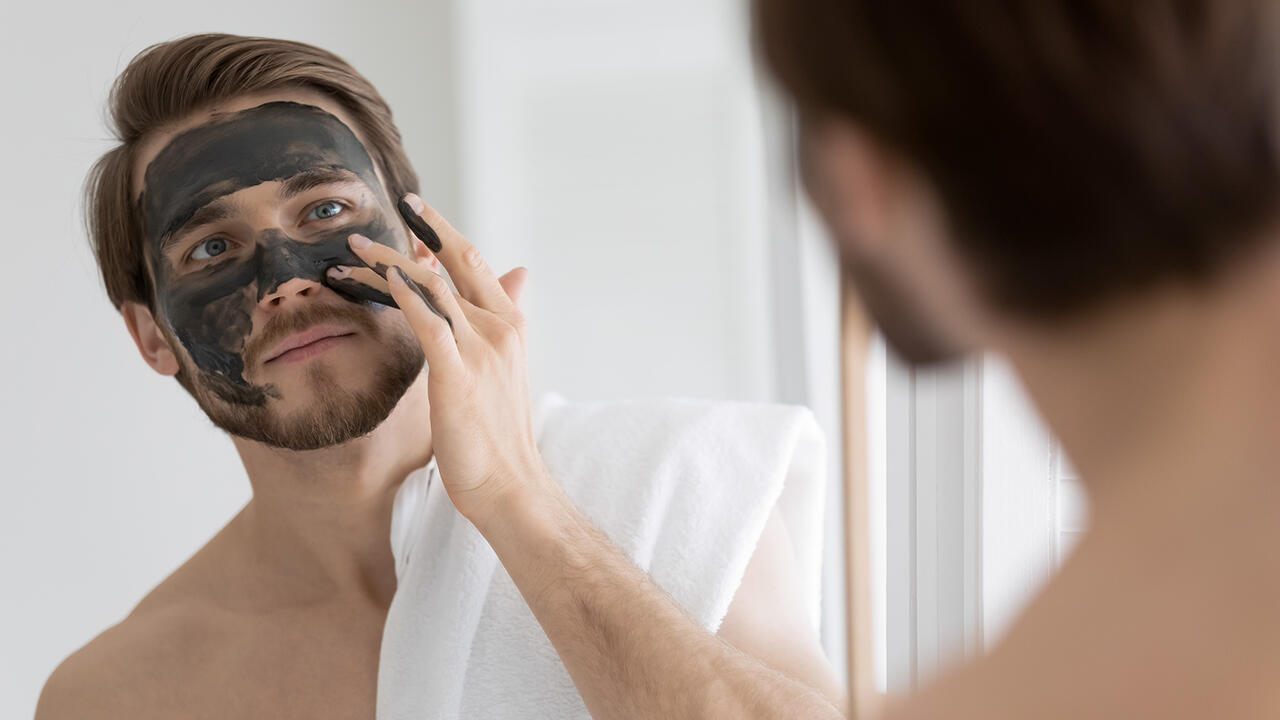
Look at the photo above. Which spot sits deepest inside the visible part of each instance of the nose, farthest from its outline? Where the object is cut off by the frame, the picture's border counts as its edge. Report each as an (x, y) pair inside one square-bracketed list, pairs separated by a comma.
[(288, 270), (289, 292)]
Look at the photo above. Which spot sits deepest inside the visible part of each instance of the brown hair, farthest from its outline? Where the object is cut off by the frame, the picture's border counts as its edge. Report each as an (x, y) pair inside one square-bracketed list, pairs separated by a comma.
[(1082, 149), (169, 81)]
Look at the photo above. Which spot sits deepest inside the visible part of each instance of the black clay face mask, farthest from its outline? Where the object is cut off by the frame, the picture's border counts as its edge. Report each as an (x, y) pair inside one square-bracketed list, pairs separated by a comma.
[(207, 303)]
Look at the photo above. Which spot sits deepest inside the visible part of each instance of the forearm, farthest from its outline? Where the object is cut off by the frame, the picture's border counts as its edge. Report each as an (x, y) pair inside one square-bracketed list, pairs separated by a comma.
[(631, 651)]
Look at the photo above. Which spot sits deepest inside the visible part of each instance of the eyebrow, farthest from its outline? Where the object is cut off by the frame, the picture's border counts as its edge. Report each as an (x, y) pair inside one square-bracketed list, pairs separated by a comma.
[(207, 214), (315, 177), (223, 207)]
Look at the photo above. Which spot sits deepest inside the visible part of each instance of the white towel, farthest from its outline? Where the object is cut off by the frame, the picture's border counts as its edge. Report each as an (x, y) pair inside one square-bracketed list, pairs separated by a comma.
[(682, 487)]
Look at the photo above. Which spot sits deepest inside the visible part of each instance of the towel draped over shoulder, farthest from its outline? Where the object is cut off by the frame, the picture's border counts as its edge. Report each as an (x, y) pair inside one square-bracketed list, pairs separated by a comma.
[(683, 487)]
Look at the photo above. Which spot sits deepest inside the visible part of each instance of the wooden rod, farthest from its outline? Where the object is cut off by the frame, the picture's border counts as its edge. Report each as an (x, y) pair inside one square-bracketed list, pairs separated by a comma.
[(855, 345)]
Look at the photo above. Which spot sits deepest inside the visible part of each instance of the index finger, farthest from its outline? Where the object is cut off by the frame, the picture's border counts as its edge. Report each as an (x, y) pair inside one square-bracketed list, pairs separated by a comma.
[(470, 273)]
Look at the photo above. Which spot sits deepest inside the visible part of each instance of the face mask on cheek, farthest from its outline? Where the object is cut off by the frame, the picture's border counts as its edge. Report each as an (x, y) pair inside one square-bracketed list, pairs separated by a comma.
[(210, 310)]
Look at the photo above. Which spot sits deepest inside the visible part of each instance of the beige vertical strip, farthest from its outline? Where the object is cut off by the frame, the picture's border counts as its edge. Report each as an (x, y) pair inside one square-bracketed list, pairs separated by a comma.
[(855, 341)]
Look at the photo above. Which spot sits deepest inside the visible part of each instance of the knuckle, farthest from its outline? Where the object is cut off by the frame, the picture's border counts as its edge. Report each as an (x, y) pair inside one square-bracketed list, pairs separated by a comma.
[(472, 257), (436, 284), (520, 323), (507, 338), (440, 334)]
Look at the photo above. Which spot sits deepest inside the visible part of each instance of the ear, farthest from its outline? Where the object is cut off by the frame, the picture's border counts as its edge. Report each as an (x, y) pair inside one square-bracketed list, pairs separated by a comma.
[(853, 182), (152, 344)]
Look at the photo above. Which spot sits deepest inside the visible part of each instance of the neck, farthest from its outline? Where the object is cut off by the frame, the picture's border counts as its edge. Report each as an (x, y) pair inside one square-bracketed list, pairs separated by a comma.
[(1179, 390), (322, 518)]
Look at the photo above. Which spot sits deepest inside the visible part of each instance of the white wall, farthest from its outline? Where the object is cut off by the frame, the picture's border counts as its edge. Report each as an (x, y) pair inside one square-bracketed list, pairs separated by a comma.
[(615, 148)]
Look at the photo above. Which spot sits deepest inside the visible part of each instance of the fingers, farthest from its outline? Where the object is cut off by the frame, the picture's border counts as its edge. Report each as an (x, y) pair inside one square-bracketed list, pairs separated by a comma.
[(366, 284), (418, 225), (359, 283), (379, 259), (438, 297), (435, 332), (467, 268)]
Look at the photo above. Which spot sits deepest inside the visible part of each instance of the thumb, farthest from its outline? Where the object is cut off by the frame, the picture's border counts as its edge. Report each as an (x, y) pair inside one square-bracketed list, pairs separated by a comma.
[(513, 283)]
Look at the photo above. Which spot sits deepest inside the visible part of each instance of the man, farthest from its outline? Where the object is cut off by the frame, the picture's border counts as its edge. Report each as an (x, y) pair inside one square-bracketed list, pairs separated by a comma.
[(1088, 187), (227, 225), (1093, 189)]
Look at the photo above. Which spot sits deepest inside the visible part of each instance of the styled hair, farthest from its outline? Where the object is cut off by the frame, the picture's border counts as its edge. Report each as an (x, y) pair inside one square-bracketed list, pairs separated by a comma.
[(167, 82), (1081, 149)]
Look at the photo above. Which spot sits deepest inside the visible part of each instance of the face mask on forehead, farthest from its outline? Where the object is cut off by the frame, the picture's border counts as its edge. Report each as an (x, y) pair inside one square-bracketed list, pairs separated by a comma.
[(210, 309)]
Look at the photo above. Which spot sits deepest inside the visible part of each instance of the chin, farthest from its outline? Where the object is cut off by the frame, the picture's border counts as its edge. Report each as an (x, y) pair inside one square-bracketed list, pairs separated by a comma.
[(316, 381), (321, 401)]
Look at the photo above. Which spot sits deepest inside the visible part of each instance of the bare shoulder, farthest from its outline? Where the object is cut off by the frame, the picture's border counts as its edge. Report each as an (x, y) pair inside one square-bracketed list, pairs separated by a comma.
[(767, 618), (135, 668), (129, 670), (1122, 632)]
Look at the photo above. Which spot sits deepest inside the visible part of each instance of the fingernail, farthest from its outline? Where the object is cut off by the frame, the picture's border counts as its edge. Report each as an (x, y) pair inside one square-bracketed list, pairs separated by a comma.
[(397, 275), (415, 202), (339, 271), (360, 241)]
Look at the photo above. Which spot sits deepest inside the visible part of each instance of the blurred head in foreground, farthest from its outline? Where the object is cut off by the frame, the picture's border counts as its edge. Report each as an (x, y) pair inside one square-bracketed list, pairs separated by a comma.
[(1034, 163)]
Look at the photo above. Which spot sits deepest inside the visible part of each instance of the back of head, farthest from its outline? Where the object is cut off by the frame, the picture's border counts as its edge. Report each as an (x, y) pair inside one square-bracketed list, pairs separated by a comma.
[(171, 80), (1082, 149)]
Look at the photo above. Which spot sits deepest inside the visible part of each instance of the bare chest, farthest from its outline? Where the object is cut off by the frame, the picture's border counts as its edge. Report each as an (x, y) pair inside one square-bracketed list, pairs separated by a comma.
[(314, 666)]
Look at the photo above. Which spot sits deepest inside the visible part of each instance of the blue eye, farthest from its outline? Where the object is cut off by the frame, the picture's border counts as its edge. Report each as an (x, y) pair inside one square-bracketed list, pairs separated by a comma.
[(325, 210), (209, 248)]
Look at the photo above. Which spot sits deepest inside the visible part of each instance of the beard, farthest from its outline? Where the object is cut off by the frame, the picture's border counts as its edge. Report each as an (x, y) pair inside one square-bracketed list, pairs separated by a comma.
[(904, 325), (900, 314), (338, 414)]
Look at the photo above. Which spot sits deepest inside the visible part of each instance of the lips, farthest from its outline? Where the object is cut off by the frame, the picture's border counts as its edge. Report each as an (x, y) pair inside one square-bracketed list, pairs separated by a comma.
[(306, 337)]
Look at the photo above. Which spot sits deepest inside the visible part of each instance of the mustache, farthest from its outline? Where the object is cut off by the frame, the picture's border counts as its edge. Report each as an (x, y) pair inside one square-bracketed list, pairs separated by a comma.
[(280, 327)]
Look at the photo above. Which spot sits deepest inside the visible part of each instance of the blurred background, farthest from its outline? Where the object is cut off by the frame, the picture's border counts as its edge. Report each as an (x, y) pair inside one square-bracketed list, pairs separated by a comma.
[(633, 157)]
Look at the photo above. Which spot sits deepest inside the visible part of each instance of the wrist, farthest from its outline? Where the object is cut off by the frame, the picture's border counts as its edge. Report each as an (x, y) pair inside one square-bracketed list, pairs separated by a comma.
[(539, 537), (530, 496)]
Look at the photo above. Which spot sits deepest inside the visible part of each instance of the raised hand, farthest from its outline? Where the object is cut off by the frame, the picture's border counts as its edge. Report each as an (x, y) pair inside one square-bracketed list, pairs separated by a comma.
[(474, 342)]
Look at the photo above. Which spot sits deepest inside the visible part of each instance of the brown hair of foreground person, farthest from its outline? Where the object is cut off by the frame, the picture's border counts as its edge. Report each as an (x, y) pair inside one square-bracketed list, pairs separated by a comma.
[(1081, 149), (169, 81)]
